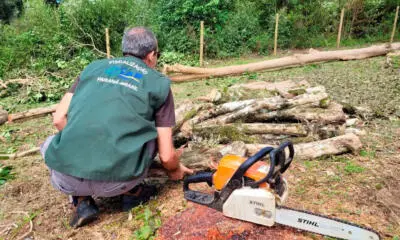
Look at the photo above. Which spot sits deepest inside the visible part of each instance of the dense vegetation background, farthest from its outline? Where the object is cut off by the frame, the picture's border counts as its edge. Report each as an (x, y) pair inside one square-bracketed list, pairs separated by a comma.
[(55, 39)]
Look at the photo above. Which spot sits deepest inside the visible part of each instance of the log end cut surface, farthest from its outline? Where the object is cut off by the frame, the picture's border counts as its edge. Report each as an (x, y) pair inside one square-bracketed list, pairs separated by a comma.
[(200, 222)]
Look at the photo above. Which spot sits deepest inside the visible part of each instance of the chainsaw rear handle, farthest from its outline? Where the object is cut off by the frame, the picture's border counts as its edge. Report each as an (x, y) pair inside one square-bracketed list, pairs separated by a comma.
[(278, 163), (285, 162), (198, 178)]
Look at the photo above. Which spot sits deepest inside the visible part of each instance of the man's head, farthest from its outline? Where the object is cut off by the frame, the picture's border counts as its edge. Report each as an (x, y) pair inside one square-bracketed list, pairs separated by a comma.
[(141, 43)]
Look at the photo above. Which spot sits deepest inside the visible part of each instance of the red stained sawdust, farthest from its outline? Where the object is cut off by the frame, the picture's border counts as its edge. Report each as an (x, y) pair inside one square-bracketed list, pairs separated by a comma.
[(200, 222)]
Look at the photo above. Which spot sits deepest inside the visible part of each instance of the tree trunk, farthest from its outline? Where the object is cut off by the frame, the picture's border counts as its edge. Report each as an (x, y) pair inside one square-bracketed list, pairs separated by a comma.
[(32, 113), (290, 61)]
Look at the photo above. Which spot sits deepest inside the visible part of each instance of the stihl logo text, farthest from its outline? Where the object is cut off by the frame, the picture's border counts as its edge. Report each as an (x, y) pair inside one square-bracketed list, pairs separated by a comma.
[(256, 203), (308, 222)]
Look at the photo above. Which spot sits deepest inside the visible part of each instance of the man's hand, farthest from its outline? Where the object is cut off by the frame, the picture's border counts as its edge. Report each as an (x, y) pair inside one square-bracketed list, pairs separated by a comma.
[(60, 115), (179, 173)]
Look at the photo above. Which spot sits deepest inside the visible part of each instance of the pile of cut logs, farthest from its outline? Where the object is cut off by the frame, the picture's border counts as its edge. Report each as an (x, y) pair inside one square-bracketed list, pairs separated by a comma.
[(250, 116)]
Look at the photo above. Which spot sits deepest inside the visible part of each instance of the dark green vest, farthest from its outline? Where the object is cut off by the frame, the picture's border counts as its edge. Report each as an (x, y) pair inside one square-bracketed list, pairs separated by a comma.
[(110, 120)]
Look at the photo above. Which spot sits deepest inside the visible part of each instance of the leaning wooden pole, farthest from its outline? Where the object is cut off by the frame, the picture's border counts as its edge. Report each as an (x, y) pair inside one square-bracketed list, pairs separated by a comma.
[(107, 43), (394, 24), (340, 28), (276, 33), (201, 42), (193, 73)]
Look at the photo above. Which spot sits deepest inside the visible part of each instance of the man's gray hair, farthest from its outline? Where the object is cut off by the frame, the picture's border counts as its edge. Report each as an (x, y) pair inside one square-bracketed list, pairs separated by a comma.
[(138, 41)]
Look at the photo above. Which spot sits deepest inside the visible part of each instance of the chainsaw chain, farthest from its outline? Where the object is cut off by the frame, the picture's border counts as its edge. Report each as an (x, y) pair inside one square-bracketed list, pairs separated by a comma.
[(332, 218)]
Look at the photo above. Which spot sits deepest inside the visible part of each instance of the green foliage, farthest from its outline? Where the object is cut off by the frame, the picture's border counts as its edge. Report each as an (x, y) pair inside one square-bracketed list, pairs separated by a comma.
[(168, 57), (5, 174), (365, 153), (351, 168), (151, 221), (46, 40), (179, 22)]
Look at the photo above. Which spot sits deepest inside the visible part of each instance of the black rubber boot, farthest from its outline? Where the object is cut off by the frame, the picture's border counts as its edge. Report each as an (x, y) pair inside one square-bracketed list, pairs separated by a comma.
[(144, 193), (86, 212)]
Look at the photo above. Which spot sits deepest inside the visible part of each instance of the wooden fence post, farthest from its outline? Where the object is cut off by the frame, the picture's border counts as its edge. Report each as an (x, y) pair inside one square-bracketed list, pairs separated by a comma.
[(276, 33), (107, 43), (201, 42), (394, 24), (340, 28)]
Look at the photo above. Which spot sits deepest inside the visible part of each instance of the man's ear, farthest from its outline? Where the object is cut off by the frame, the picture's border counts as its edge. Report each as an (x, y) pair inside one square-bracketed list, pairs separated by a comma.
[(150, 55)]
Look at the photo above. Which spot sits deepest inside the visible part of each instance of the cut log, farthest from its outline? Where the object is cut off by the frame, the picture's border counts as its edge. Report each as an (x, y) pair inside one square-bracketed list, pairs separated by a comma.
[(248, 108), (284, 62), (332, 114), (236, 148), (32, 113), (201, 158), (312, 150), (186, 111), (268, 104), (292, 129)]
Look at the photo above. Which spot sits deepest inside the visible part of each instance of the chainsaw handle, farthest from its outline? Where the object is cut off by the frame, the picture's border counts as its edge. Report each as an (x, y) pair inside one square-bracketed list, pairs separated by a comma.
[(249, 162), (287, 161), (278, 163), (197, 178)]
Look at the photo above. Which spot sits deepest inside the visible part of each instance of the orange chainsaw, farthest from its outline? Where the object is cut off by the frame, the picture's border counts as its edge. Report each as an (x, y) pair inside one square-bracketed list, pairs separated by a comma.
[(252, 190)]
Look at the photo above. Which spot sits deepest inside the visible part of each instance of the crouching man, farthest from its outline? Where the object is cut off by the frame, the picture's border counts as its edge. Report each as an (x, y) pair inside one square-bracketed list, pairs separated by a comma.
[(111, 124)]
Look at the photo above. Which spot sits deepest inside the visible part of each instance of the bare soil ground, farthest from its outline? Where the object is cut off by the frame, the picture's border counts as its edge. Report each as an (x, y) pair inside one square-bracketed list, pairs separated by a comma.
[(364, 188)]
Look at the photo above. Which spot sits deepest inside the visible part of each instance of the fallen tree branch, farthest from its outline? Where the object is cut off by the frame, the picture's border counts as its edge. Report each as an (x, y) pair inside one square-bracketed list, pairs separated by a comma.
[(20, 154), (284, 62), (32, 113)]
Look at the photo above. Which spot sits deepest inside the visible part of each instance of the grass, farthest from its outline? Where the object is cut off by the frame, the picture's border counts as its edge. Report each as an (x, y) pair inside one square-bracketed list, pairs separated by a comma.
[(149, 219), (352, 168), (5, 174), (24, 135)]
